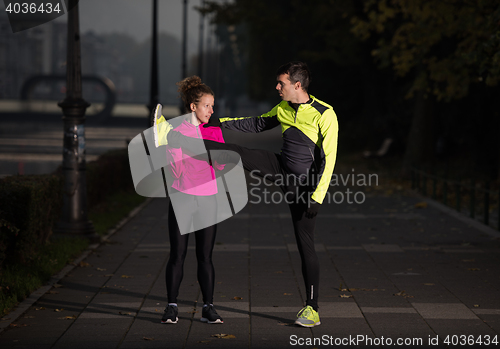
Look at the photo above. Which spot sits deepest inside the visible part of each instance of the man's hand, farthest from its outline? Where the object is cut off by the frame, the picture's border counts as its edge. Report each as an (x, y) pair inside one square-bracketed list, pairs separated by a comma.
[(213, 122), (312, 209)]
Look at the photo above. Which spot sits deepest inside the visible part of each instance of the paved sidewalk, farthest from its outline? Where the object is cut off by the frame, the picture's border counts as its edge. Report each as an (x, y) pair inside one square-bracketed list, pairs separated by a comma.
[(388, 269)]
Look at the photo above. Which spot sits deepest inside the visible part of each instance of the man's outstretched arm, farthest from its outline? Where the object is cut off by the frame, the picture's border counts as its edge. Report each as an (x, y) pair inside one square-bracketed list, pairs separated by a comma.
[(248, 124)]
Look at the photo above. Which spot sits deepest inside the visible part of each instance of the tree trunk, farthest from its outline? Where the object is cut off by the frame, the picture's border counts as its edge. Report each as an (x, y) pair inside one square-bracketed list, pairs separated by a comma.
[(420, 142)]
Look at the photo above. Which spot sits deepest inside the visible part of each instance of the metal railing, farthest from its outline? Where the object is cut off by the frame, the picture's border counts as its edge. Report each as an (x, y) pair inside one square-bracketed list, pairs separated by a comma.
[(456, 192)]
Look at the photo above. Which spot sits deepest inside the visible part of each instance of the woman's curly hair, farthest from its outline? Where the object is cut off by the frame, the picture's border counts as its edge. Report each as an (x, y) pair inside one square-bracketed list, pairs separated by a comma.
[(191, 90)]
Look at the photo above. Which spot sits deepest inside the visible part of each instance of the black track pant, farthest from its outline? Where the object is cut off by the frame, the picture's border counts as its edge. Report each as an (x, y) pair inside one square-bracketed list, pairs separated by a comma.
[(265, 163), (205, 239)]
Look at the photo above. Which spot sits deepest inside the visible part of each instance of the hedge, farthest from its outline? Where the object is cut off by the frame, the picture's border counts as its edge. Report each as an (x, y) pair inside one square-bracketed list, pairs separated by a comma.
[(30, 205)]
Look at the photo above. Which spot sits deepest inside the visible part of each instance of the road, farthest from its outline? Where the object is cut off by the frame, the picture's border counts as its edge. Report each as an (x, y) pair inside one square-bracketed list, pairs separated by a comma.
[(32, 144)]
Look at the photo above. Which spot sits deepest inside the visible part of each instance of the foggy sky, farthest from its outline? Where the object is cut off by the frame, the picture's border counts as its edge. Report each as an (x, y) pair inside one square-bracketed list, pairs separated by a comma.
[(134, 17)]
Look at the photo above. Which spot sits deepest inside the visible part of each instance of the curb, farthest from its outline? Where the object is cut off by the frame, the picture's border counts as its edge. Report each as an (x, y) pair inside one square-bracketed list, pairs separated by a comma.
[(35, 295), (460, 216)]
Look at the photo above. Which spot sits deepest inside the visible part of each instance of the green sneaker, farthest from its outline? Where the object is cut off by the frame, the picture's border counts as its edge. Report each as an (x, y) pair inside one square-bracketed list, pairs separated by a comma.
[(160, 127), (307, 317)]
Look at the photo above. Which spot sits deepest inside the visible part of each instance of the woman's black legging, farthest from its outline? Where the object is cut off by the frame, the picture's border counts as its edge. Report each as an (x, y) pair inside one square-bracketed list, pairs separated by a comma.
[(205, 239)]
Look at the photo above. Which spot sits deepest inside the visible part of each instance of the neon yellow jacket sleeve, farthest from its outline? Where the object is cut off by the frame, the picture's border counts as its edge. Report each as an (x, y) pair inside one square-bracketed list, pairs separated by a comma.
[(329, 129)]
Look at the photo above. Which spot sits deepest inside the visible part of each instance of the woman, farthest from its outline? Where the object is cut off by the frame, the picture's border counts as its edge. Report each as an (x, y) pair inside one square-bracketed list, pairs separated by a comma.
[(193, 185)]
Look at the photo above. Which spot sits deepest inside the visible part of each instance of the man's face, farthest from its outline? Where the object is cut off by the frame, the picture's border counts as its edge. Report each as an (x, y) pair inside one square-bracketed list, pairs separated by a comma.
[(285, 87)]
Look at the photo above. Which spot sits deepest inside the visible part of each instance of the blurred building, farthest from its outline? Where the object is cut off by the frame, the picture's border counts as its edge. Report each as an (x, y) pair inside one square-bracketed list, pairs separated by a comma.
[(36, 51)]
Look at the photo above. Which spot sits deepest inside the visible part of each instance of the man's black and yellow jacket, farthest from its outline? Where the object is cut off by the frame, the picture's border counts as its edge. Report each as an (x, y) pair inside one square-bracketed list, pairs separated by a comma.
[(309, 139)]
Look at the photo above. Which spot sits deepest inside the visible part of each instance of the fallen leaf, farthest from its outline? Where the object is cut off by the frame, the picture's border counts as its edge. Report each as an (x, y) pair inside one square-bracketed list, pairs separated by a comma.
[(346, 296), (73, 317), (84, 264), (100, 269), (204, 342), (429, 284), (123, 313), (58, 310), (402, 294), (223, 335), (422, 204), (237, 298), (126, 276), (58, 285), (18, 325), (148, 338), (476, 305), (41, 308), (287, 294), (278, 272), (286, 324), (108, 275), (473, 269)]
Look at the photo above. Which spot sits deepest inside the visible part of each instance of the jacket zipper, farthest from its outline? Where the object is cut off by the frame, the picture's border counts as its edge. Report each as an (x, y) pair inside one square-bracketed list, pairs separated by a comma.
[(314, 160)]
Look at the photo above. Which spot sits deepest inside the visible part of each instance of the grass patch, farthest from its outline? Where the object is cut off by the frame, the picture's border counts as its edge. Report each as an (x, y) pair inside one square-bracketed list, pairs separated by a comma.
[(19, 280), (109, 213)]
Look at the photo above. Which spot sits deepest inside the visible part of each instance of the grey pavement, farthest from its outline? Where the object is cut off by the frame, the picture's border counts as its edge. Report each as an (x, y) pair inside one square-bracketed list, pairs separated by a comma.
[(389, 271)]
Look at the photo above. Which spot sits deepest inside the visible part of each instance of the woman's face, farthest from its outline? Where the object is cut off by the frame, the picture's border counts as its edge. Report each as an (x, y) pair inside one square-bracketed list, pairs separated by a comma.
[(204, 108)]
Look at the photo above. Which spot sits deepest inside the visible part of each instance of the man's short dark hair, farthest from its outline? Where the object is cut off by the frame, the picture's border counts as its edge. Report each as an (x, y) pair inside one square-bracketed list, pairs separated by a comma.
[(297, 71)]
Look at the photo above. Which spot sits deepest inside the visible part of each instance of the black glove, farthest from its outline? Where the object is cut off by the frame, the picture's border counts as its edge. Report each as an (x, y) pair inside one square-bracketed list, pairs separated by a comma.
[(174, 139), (213, 122), (312, 209)]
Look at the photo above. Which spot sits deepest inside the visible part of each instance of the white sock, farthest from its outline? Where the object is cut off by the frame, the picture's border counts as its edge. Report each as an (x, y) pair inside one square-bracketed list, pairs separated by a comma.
[(174, 304)]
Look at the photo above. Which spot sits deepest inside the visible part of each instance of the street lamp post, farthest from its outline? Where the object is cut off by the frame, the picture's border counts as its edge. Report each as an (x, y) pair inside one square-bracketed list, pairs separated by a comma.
[(184, 49), (153, 91), (184, 40), (200, 40), (74, 220)]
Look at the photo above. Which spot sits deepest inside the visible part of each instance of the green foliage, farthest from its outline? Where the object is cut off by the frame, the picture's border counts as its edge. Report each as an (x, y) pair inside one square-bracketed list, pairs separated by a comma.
[(29, 206), (8, 233), (18, 280), (108, 213), (280, 31), (109, 174), (447, 45)]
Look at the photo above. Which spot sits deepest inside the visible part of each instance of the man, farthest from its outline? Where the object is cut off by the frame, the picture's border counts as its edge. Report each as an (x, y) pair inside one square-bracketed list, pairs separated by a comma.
[(309, 129)]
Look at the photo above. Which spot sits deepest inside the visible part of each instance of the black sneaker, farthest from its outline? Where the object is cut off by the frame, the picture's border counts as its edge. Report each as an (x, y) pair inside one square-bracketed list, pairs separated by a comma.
[(210, 316), (170, 315)]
